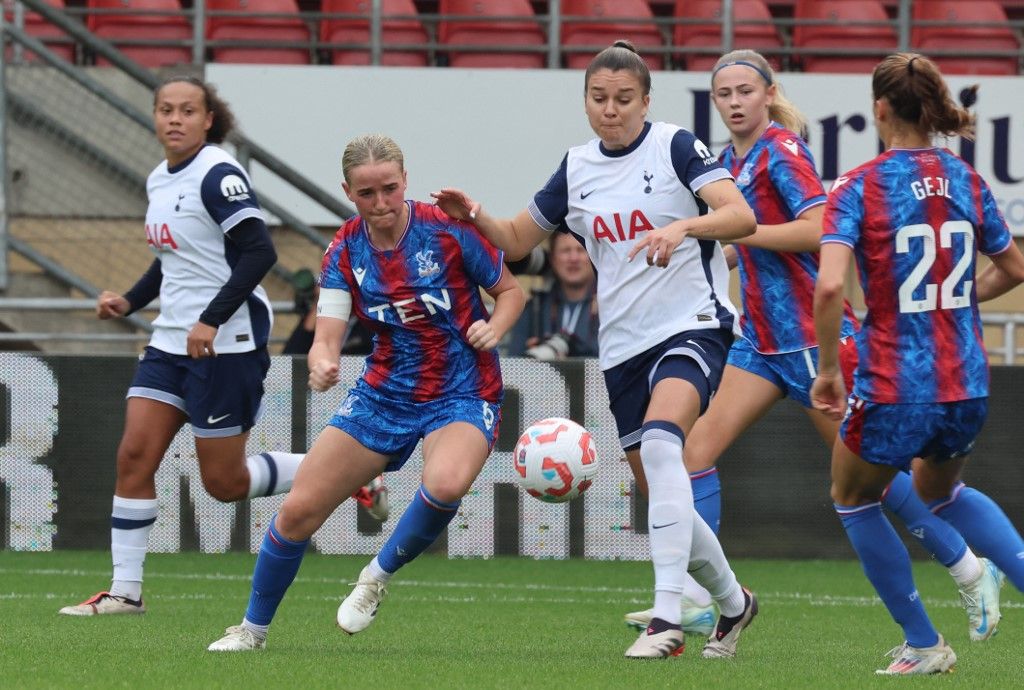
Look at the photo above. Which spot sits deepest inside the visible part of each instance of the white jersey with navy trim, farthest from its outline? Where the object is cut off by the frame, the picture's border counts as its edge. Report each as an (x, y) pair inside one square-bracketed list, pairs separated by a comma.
[(191, 207), (609, 198)]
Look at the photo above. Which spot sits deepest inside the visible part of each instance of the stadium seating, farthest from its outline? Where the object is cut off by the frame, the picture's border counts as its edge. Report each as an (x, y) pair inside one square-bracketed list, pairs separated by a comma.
[(262, 32), (957, 35), (760, 36), (37, 27), (393, 31), (483, 30), (600, 35), (841, 33), (118, 21)]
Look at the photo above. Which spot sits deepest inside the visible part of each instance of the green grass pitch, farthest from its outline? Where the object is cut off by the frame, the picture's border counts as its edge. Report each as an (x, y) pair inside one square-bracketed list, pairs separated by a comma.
[(499, 623)]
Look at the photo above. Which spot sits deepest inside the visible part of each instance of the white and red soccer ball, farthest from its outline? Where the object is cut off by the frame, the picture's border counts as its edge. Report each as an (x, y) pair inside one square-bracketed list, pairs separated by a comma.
[(555, 460)]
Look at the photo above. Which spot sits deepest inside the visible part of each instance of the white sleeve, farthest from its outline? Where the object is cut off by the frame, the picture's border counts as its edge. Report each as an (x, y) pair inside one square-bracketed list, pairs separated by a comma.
[(334, 303)]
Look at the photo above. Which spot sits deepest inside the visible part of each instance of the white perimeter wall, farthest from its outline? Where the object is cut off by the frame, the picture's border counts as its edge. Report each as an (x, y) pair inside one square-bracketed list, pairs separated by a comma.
[(499, 134)]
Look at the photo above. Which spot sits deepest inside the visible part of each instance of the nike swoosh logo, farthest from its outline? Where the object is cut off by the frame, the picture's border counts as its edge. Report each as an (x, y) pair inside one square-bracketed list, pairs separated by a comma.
[(213, 420), (584, 196), (983, 628), (667, 524)]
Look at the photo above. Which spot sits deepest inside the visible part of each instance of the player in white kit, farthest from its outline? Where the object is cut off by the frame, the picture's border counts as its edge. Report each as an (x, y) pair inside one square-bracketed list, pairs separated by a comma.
[(641, 190), (207, 359)]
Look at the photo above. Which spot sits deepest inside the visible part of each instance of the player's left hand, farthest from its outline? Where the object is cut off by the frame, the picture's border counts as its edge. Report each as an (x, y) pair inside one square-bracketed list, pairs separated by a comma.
[(482, 336), (828, 394), (660, 243), (200, 341)]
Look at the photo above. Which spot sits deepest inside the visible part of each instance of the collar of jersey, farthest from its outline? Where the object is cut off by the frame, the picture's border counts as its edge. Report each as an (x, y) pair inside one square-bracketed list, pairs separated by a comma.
[(618, 153), (408, 224), (184, 164)]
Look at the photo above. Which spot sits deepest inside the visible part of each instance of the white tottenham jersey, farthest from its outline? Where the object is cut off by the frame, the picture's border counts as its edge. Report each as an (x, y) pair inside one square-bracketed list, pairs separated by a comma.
[(609, 199), (191, 207)]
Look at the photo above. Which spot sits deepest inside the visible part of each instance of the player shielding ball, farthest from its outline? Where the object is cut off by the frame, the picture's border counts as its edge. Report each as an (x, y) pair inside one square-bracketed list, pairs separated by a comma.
[(413, 276), (638, 197), (914, 218)]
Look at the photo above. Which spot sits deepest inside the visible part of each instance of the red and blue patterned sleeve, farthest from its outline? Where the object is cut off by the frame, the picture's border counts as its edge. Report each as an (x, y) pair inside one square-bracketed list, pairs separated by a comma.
[(792, 173), (844, 211)]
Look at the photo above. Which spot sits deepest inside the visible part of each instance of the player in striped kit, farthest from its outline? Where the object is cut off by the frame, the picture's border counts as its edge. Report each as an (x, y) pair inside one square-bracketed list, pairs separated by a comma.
[(776, 355), (644, 188), (914, 218), (413, 276), (207, 359)]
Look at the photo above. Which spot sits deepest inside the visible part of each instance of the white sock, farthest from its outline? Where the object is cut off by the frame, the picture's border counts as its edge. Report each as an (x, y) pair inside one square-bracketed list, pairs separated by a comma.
[(694, 592), (272, 472), (260, 631), (709, 567), (378, 572), (669, 516), (967, 569), (131, 520)]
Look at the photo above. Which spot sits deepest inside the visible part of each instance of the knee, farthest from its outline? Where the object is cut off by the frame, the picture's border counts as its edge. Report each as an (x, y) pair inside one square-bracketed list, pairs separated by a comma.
[(295, 522), (227, 488), (847, 495), (447, 489)]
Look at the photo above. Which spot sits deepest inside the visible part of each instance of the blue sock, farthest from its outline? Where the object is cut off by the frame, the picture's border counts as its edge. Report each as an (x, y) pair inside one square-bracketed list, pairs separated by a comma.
[(984, 524), (278, 561), (707, 496), (421, 524), (887, 564), (935, 535)]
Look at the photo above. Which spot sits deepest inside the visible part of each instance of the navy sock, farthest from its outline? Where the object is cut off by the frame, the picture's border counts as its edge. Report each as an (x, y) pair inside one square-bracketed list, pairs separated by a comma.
[(278, 561), (984, 524), (707, 496), (887, 564), (421, 524), (936, 536)]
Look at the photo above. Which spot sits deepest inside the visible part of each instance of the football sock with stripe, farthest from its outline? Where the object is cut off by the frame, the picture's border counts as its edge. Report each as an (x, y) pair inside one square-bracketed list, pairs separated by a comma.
[(886, 563), (278, 561), (670, 514), (937, 537), (985, 526), (420, 525), (272, 472), (131, 521), (707, 496)]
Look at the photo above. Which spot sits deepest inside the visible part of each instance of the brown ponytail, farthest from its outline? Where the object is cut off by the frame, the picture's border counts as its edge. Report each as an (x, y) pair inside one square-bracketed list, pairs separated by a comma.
[(918, 95)]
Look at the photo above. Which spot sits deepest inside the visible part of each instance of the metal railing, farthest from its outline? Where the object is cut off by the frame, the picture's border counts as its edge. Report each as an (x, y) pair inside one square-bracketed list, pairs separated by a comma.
[(550, 24)]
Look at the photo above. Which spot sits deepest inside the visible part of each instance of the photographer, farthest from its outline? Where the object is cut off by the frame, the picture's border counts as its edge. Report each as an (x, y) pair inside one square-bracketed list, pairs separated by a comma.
[(561, 320)]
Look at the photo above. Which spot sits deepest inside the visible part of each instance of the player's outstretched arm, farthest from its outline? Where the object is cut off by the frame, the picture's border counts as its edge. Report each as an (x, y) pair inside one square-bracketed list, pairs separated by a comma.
[(802, 234), (514, 236), (509, 301), (1005, 273), (827, 392)]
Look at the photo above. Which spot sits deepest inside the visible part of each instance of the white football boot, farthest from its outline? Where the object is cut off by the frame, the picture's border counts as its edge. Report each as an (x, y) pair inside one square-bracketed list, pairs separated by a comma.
[(359, 608), (237, 638), (981, 600), (103, 604), (909, 660)]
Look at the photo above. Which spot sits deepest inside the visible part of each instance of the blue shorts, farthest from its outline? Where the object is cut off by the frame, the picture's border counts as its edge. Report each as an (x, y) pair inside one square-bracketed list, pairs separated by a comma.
[(894, 434), (696, 356), (394, 427), (221, 395), (791, 372)]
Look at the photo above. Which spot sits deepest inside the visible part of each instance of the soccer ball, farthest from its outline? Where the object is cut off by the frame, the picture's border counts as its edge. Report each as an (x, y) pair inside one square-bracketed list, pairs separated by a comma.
[(555, 460)]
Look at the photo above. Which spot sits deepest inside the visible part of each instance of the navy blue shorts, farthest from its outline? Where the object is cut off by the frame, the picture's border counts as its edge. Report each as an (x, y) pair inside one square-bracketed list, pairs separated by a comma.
[(220, 395), (891, 434), (394, 427), (696, 356)]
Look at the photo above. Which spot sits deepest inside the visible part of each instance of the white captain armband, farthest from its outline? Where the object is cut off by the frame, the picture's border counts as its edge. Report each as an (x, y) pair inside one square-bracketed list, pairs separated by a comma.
[(334, 303)]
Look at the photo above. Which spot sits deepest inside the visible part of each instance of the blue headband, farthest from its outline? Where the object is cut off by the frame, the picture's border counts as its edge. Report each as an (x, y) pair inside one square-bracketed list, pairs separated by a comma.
[(751, 65)]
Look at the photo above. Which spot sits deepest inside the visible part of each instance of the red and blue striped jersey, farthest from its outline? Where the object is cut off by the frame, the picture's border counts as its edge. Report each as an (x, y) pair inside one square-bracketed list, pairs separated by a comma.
[(779, 182), (915, 219), (418, 300)]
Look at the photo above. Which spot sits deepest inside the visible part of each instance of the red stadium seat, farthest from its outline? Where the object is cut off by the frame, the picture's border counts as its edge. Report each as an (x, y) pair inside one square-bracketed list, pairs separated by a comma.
[(172, 29), (957, 35), (496, 33), (761, 36), (600, 35), (39, 28), (840, 33), (393, 31), (263, 31)]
